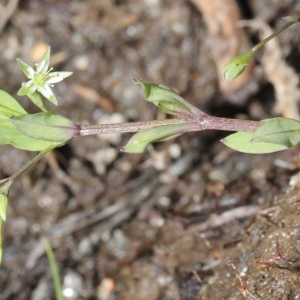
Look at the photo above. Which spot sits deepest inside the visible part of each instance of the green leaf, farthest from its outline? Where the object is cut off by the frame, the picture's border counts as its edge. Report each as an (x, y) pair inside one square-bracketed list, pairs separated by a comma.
[(46, 126), (9, 106), (243, 142), (166, 99), (142, 139), (3, 206), (10, 135), (281, 131)]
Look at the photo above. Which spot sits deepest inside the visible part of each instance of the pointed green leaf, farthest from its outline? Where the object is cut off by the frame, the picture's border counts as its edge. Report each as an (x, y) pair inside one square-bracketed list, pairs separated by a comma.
[(46, 126), (243, 142), (10, 135), (166, 99), (281, 131), (142, 139), (9, 106)]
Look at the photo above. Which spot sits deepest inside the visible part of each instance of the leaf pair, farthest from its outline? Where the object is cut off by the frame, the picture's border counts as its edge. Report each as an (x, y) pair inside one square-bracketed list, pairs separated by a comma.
[(32, 132), (273, 135), (168, 102)]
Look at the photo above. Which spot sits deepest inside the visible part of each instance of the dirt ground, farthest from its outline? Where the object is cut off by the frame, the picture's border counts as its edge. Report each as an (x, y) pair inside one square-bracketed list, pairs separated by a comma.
[(187, 219)]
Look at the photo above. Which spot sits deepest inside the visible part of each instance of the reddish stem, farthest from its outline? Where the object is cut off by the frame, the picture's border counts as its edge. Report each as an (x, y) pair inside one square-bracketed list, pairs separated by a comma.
[(126, 127), (202, 121), (199, 121)]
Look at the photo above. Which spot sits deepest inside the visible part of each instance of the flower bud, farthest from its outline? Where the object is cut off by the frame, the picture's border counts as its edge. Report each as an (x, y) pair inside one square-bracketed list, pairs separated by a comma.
[(236, 66)]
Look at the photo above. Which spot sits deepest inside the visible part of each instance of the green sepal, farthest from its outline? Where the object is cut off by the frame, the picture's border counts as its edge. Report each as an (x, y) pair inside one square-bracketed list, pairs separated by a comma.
[(27, 70), (37, 100), (166, 99), (139, 142), (281, 131), (243, 142), (46, 126)]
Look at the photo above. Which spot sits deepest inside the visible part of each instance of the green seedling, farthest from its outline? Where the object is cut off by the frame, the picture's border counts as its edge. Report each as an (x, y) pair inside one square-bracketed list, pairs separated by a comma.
[(46, 130), (54, 268)]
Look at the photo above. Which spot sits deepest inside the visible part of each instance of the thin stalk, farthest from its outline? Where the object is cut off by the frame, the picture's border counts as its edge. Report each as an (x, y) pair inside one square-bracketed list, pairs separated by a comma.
[(54, 269), (31, 162), (227, 124), (285, 26), (126, 127), (202, 121)]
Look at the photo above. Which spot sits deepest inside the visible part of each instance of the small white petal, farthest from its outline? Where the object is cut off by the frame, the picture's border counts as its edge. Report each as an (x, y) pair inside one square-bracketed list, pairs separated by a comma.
[(40, 66), (54, 79), (27, 88), (33, 89), (31, 73), (46, 91), (57, 76), (27, 84)]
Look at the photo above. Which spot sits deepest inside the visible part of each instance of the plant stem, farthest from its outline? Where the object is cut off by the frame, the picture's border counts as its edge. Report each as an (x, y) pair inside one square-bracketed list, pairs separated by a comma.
[(226, 124), (54, 269), (127, 127), (202, 121), (277, 32), (32, 161), (199, 122)]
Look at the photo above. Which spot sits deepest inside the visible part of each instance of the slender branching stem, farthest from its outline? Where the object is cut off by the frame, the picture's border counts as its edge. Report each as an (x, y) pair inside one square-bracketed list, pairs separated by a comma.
[(277, 32), (31, 162), (227, 124), (200, 121), (127, 127)]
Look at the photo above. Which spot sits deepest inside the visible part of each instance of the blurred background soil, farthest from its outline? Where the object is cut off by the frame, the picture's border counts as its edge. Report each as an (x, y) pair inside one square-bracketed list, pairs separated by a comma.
[(187, 219)]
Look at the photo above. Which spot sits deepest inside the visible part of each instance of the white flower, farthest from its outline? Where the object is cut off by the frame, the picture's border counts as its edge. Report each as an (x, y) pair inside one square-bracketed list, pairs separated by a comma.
[(40, 81)]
